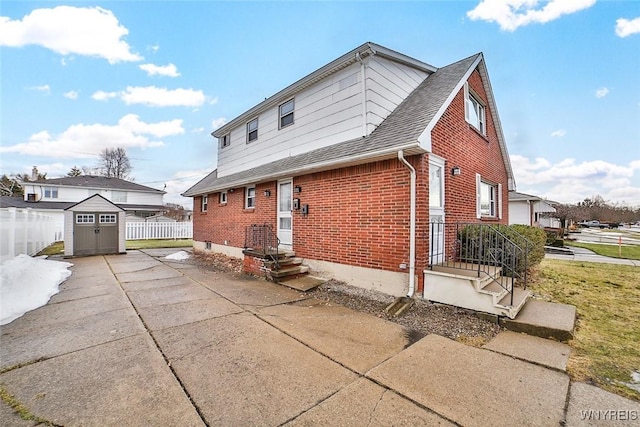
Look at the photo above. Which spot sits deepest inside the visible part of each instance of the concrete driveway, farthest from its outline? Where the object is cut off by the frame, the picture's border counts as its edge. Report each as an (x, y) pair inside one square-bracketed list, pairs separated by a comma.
[(137, 340)]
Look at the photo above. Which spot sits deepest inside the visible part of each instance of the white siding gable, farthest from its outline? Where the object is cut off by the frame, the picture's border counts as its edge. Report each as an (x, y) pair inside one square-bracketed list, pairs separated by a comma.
[(76, 194), (326, 113)]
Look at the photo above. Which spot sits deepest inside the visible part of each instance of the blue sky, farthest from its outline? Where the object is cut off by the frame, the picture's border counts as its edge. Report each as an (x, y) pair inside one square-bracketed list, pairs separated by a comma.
[(157, 77)]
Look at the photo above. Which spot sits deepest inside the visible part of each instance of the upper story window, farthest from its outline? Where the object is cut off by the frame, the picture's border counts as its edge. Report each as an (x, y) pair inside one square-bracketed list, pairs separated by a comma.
[(286, 114), (250, 198), (474, 110), (225, 141), (205, 202), (119, 196), (223, 197), (252, 130), (50, 193)]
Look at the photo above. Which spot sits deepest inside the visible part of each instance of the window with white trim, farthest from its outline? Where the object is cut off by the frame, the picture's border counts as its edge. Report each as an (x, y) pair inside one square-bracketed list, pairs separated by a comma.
[(85, 218), (205, 202), (474, 110), (250, 197), (223, 197), (108, 218), (50, 192), (488, 198), (225, 140), (119, 196), (252, 130), (286, 113)]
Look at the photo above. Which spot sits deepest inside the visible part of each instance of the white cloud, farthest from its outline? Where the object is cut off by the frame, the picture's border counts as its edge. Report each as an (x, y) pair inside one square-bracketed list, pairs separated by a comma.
[(602, 92), (197, 130), (568, 181), (72, 94), (217, 123), (559, 133), (66, 30), (103, 96), (43, 88), (160, 70), (161, 97), (627, 27), (85, 141), (511, 14)]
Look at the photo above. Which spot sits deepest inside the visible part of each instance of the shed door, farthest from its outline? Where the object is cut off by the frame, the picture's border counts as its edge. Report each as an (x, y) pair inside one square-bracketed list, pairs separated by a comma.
[(95, 233)]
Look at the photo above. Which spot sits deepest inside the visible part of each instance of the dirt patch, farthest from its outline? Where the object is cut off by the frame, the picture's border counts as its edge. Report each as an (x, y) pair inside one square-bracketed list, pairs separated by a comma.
[(217, 261)]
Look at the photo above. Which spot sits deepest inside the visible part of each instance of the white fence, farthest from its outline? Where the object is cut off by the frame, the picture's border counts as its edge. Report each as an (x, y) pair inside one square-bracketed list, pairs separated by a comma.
[(23, 231), (159, 230)]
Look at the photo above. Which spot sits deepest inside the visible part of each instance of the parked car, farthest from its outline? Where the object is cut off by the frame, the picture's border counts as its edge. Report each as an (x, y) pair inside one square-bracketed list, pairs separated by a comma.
[(598, 224)]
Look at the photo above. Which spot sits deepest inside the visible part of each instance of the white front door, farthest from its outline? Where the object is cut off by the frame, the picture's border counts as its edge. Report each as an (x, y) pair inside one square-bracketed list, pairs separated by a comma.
[(436, 210), (285, 204)]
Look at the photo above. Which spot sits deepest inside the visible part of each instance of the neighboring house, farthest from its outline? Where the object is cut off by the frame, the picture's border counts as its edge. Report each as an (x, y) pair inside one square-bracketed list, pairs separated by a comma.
[(353, 164), (531, 210), (53, 196)]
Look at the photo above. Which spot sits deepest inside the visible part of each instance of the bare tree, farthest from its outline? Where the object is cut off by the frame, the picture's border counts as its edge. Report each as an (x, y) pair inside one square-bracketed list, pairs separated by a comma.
[(114, 163)]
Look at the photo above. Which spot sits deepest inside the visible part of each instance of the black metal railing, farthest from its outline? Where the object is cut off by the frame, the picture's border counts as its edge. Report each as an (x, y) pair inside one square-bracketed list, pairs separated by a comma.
[(481, 248), (260, 238)]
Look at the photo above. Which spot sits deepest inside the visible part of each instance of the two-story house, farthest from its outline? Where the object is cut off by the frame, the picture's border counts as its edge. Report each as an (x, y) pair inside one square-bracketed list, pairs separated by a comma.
[(53, 196), (351, 166)]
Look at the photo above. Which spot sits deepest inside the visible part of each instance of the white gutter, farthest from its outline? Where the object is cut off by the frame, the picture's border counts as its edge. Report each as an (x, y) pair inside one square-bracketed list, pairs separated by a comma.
[(412, 226)]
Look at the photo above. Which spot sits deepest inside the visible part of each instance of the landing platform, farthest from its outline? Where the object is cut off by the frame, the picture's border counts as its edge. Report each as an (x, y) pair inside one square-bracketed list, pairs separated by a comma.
[(544, 319)]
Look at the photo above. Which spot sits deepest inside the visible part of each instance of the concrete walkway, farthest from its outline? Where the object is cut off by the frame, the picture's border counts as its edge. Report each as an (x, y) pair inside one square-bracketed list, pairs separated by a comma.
[(582, 254), (138, 340)]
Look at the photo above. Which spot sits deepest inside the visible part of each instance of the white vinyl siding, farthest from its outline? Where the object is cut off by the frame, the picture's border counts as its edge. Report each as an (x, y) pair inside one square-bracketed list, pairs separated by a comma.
[(327, 112), (119, 196)]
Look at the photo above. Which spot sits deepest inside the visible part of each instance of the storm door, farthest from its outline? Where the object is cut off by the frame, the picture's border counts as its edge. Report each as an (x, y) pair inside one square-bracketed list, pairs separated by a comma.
[(436, 210), (285, 220)]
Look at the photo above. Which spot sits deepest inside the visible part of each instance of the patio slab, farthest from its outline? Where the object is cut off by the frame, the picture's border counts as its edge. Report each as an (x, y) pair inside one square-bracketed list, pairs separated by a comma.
[(592, 406), (475, 387), (125, 382), (169, 295), (170, 315), (364, 403), (241, 371), (544, 319), (353, 339), (153, 272), (538, 350)]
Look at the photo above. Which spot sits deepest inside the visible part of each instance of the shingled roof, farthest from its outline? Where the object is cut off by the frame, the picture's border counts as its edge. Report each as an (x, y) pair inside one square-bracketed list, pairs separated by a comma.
[(399, 131), (101, 182)]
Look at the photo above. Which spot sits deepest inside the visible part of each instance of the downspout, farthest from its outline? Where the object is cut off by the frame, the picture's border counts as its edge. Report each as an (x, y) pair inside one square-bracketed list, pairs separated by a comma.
[(363, 88), (412, 226)]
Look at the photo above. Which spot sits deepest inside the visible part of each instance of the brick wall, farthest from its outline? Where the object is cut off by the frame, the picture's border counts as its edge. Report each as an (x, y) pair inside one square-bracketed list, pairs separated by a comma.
[(226, 222), (458, 142)]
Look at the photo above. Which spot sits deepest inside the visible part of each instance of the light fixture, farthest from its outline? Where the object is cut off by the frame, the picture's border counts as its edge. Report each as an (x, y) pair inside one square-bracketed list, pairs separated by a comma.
[(231, 190), (267, 193), (297, 189), (456, 171)]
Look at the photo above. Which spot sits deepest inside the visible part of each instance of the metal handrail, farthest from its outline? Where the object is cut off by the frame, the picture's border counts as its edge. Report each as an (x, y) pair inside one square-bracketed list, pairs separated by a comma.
[(260, 238), (478, 247)]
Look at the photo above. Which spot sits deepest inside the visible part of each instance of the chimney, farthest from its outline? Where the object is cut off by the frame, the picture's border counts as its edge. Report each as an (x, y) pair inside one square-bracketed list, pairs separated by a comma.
[(34, 173)]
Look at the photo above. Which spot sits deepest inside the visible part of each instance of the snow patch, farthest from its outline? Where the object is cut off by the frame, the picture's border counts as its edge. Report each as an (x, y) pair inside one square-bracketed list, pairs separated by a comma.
[(179, 256), (27, 283)]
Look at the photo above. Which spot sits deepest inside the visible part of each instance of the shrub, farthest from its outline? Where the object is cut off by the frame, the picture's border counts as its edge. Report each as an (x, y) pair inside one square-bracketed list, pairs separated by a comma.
[(490, 244)]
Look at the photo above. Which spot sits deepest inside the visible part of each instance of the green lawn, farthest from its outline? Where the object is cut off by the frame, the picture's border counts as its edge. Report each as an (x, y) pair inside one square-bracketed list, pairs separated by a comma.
[(627, 251), (57, 248), (605, 348)]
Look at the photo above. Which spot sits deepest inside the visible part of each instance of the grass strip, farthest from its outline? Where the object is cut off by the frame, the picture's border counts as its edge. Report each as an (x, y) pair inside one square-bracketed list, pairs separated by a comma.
[(625, 251), (605, 348)]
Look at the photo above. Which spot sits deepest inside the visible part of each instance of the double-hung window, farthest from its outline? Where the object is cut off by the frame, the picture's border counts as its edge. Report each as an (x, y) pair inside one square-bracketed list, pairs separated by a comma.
[(119, 196), (50, 193), (225, 140), (250, 197), (252, 130), (489, 199), (205, 202), (474, 110), (223, 197), (286, 113)]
